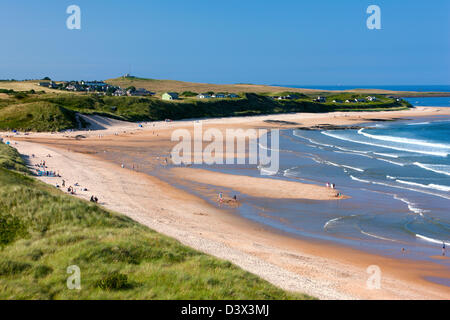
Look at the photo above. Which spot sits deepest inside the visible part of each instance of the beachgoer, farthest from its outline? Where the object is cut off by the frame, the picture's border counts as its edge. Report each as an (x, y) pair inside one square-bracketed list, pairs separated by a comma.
[(63, 183), (443, 248), (235, 198)]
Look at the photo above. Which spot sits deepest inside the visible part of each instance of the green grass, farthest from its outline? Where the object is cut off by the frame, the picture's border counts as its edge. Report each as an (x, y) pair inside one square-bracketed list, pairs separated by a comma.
[(43, 231), (36, 116), (54, 112)]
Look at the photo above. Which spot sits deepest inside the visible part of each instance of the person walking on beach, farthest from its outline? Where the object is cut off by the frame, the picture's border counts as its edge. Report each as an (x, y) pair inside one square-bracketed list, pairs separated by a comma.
[(443, 248), (220, 198)]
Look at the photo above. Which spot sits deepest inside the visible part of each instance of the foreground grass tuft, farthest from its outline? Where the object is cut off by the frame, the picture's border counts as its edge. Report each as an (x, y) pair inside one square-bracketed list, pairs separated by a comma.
[(44, 231)]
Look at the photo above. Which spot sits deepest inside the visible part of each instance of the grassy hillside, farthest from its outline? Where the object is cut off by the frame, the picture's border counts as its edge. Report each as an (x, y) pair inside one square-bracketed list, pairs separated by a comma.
[(36, 116), (37, 111), (153, 109), (43, 231)]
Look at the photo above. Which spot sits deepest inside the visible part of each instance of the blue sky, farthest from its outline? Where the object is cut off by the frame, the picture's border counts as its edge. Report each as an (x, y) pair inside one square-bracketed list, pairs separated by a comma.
[(321, 42)]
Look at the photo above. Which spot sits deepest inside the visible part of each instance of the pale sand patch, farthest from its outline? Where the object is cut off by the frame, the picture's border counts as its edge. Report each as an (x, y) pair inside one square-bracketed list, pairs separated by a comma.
[(258, 187)]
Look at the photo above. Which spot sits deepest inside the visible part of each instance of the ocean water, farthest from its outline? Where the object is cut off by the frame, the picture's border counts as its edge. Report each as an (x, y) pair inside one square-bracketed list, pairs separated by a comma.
[(396, 173), (429, 101), (418, 88)]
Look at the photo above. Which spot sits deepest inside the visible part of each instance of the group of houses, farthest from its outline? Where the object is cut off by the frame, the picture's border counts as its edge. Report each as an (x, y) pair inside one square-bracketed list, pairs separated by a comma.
[(81, 86), (356, 100), (287, 97), (217, 96), (103, 88), (99, 87), (141, 92)]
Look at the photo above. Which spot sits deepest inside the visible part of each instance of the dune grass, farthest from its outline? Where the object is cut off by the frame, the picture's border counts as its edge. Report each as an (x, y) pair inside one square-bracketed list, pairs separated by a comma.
[(36, 116), (44, 231)]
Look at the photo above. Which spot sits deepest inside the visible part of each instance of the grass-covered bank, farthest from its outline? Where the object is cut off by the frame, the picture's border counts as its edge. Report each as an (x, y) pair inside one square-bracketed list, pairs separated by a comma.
[(34, 111), (36, 116), (43, 231)]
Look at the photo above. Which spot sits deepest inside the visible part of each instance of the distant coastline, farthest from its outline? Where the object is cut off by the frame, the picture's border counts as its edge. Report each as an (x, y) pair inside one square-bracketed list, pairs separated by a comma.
[(397, 90), (415, 88)]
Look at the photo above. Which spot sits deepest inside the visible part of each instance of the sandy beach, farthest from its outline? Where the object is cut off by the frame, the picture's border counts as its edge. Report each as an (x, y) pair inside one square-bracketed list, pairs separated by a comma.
[(320, 269)]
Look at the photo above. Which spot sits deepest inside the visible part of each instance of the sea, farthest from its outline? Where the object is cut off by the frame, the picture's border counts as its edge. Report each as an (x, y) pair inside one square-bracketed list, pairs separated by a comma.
[(417, 88)]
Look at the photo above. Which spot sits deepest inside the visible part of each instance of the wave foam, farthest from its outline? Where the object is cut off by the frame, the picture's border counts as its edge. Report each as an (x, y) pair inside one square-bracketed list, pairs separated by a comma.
[(437, 168), (411, 206), (432, 240), (432, 153), (400, 187), (404, 140), (376, 236), (427, 186)]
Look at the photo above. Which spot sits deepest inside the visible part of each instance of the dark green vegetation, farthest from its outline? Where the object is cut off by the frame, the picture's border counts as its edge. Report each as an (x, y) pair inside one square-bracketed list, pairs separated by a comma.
[(43, 232), (31, 111), (36, 116)]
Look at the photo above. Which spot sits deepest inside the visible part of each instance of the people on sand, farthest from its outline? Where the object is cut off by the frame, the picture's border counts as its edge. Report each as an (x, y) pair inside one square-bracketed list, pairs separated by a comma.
[(94, 199), (443, 248)]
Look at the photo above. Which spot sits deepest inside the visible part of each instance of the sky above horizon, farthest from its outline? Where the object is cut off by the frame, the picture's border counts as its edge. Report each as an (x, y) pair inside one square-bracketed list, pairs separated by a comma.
[(290, 42)]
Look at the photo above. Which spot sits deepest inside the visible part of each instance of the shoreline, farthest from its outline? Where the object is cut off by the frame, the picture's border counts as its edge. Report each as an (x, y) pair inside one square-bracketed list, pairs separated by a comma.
[(293, 264)]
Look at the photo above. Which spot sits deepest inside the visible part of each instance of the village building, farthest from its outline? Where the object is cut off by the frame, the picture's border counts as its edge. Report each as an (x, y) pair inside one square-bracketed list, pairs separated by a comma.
[(170, 96), (320, 99)]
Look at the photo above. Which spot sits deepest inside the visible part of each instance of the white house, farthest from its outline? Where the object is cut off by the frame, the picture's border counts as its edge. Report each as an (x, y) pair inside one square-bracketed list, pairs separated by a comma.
[(170, 96), (320, 99), (204, 96)]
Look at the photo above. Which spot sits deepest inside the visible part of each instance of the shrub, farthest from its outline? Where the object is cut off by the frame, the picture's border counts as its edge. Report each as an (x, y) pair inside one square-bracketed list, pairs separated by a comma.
[(114, 281), (36, 254), (9, 267), (189, 94), (10, 229), (42, 271)]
